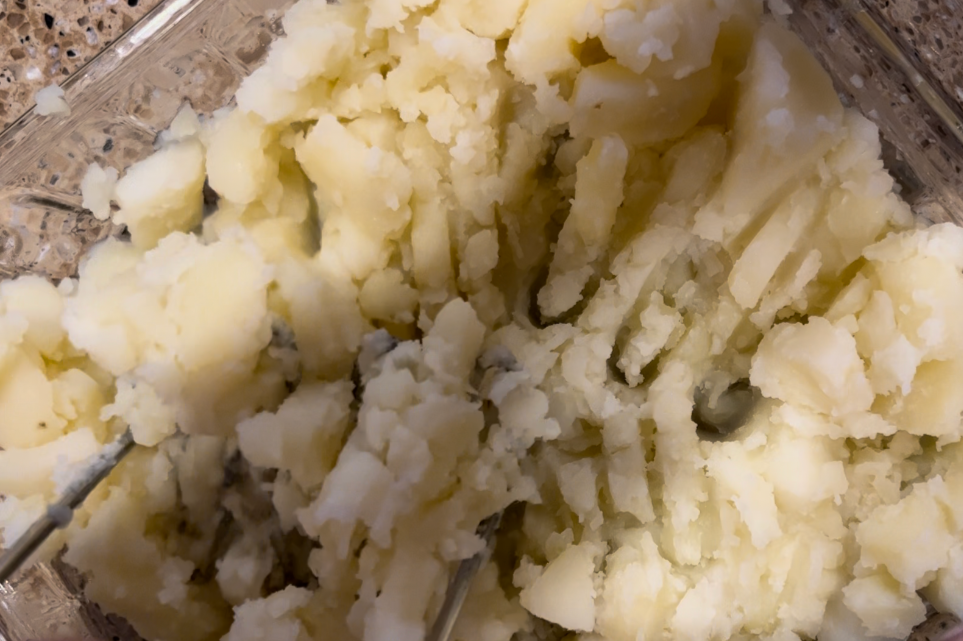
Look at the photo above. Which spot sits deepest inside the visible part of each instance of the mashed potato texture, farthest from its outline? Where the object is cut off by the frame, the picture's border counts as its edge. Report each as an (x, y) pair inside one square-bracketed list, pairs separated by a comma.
[(474, 256)]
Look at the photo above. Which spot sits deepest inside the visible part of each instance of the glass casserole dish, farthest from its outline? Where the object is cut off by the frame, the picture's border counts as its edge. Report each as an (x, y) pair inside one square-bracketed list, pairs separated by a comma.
[(885, 60)]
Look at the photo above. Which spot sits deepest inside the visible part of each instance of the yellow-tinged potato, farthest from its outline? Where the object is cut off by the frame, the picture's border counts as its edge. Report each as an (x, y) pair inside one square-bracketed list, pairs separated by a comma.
[(261, 94), (219, 307), (95, 317), (578, 483), (564, 592), (185, 124), (447, 47), (27, 416), (876, 324), (189, 319), (277, 237), (665, 38), (78, 396), (490, 611), (921, 273), (356, 489), (751, 493), (138, 405), (325, 316), (296, 202), (585, 236), (695, 162), (279, 613), (814, 365), (949, 493), (752, 272), (791, 289), (787, 117), (805, 471), (864, 207), (413, 86), (610, 99), (946, 590), (388, 14), (17, 515), (882, 607), (454, 340), (659, 327), (303, 436), (129, 567), (199, 304), (314, 54), (358, 220), (385, 296), (488, 19), (32, 470), (282, 238), (541, 47), (851, 299), (162, 193), (911, 539), (934, 405), (241, 160), (639, 585), (41, 305), (431, 256)]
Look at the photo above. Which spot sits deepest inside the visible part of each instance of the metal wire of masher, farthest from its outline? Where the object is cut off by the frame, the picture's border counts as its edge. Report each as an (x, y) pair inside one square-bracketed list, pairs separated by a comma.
[(461, 582), (60, 513)]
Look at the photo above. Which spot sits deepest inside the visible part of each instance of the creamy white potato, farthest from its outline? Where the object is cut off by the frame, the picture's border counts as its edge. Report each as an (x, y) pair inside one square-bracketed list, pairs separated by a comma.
[(574, 215)]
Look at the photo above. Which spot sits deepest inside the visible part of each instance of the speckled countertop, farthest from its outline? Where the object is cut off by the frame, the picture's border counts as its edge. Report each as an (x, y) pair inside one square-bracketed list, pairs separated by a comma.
[(44, 41), (934, 29)]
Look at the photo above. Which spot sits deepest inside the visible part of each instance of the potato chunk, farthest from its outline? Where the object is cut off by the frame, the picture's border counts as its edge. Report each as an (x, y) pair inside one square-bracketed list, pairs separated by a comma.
[(911, 539), (27, 416), (488, 19), (240, 165), (359, 221), (585, 235), (162, 194), (884, 610), (41, 305), (541, 46), (31, 471), (788, 116), (751, 274), (565, 592), (304, 436), (814, 365), (610, 99)]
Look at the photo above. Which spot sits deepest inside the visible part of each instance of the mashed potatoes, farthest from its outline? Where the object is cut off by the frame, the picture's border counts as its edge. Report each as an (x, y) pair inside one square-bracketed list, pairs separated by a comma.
[(564, 218)]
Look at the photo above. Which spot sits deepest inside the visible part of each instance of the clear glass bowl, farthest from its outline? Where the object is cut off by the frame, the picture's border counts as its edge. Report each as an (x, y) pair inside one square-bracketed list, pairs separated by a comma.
[(889, 59)]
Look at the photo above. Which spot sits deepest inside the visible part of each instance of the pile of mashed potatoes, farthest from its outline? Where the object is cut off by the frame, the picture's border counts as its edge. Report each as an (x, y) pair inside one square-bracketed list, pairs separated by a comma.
[(473, 254)]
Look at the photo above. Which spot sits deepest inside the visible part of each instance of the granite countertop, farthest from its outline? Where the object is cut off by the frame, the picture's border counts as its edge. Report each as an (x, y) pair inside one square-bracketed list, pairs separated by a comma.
[(43, 41)]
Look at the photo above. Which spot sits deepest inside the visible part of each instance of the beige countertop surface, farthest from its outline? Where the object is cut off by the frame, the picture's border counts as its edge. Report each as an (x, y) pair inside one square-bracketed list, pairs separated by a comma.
[(44, 41)]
